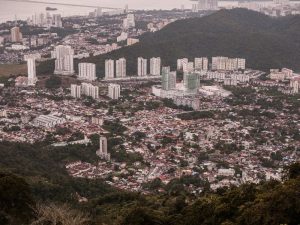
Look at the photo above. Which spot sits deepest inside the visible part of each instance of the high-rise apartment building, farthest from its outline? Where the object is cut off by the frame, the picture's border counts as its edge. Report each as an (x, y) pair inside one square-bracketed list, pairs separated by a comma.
[(109, 69), (114, 91), (168, 79), (57, 22), (16, 35), (87, 71), (142, 67), (75, 91), (294, 84), (31, 70), (121, 67), (102, 152), (155, 66), (225, 63), (64, 63), (207, 4), (181, 63), (90, 90), (129, 21), (201, 64), (191, 82)]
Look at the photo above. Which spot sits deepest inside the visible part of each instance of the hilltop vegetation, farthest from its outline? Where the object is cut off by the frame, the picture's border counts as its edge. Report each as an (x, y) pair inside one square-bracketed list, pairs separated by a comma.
[(34, 186), (265, 42)]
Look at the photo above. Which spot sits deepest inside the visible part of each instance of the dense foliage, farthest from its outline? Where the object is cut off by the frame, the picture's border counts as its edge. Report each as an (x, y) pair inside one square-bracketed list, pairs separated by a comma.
[(42, 187)]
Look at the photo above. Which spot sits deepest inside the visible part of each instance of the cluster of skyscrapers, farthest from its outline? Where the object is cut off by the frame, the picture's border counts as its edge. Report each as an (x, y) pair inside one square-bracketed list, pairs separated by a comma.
[(84, 89), (191, 81), (225, 63), (155, 66), (205, 5), (64, 63), (186, 66), (168, 79), (46, 20), (110, 68), (87, 71), (218, 63), (114, 91)]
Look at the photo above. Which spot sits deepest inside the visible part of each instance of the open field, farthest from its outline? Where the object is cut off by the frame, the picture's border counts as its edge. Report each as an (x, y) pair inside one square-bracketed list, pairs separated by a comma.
[(12, 69)]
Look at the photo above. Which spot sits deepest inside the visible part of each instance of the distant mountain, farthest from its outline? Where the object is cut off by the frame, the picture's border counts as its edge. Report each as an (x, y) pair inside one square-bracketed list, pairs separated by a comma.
[(264, 41)]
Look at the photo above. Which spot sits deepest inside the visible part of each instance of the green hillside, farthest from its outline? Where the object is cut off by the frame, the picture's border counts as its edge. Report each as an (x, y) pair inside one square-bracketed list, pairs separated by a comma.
[(264, 41)]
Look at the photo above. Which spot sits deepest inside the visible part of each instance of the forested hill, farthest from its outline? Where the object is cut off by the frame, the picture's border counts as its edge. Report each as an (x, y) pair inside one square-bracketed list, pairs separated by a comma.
[(264, 41)]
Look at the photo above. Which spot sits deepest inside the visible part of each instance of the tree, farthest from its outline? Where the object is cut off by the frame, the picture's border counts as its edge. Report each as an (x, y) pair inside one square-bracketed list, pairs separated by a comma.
[(15, 200), (53, 82)]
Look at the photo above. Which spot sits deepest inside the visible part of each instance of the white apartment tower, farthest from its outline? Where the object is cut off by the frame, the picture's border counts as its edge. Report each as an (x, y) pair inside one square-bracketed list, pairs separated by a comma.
[(129, 21), (16, 35), (181, 63), (142, 67), (294, 84), (114, 91), (201, 64), (168, 79), (155, 65), (207, 4), (90, 90), (121, 67), (31, 68), (87, 71), (102, 152), (64, 63), (230, 64), (75, 91), (57, 20), (109, 68)]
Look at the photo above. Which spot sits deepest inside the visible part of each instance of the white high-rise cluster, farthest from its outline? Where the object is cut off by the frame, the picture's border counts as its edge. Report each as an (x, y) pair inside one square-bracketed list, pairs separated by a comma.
[(90, 90), (155, 66), (110, 68), (181, 63), (75, 91), (46, 20), (207, 4), (225, 63), (87, 71), (168, 79), (64, 63), (142, 67), (201, 63), (114, 91)]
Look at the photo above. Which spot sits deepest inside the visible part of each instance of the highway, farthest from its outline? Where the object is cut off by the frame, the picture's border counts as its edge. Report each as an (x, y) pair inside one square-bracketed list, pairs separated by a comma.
[(64, 4)]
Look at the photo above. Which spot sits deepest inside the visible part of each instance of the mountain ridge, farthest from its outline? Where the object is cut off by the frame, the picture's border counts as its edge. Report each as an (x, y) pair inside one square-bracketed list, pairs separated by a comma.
[(264, 41)]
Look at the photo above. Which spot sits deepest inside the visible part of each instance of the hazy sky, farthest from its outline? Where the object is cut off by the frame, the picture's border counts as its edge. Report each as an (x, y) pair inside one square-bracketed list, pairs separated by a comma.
[(10, 9)]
